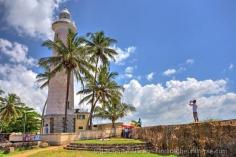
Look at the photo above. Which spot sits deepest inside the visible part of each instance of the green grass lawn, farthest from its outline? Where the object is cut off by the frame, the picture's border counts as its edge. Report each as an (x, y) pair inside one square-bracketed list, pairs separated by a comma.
[(69, 153), (17, 151), (110, 141)]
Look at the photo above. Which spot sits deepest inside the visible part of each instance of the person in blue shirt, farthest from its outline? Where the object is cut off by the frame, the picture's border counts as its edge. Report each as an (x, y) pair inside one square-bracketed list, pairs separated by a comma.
[(46, 129)]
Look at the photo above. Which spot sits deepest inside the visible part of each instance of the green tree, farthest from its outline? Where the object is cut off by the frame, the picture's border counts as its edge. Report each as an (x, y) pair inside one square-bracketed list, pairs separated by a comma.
[(113, 111), (10, 109), (137, 123), (102, 91), (98, 47), (71, 59), (29, 121)]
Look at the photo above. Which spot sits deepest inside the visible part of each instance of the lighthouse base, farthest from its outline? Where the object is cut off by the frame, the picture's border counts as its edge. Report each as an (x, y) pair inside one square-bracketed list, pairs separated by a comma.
[(55, 123)]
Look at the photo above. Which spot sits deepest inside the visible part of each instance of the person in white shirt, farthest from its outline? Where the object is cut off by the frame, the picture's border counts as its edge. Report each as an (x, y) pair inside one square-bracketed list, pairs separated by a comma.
[(193, 103)]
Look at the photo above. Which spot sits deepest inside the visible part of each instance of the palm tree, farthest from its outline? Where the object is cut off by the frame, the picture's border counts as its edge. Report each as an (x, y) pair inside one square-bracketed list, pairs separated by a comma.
[(104, 89), (98, 47), (44, 78), (113, 111), (28, 121), (71, 59), (11, 108)]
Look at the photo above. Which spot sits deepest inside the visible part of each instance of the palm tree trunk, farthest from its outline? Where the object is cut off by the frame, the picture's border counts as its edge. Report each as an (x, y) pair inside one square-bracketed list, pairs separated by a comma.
[(42, 116), (113, 129), (67, 98), (92, 106), (90, 120)]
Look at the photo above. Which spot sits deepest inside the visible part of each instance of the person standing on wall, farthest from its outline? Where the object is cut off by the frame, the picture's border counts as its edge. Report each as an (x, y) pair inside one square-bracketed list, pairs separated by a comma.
[(193, 103)]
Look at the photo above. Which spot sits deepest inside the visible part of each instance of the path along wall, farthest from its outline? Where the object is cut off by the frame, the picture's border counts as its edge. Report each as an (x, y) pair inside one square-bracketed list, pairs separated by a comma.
[(213, 139)]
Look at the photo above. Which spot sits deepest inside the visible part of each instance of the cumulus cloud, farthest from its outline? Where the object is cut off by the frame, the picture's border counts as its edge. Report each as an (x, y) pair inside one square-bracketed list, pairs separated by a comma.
[(123, 54), (169, 72), (231, 66), (30, 17), (180, 68), (129, 72), (168, 104), (129, 69), (189, 61), (150, 76), (16, 75), (16, 52), (20, 80)]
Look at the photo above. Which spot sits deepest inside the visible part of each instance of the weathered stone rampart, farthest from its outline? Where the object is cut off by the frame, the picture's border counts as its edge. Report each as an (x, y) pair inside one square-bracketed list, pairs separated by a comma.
[(213, 139)]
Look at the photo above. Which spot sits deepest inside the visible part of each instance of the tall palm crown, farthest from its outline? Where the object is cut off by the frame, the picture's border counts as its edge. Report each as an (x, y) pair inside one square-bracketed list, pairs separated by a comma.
[(43, 78), (105, 87), (11, 108), (99, 47), (71, 58), (103, 90)]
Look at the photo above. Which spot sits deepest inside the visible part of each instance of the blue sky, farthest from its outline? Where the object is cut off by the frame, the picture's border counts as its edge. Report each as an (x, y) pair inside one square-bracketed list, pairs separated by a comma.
[(184, 38), (166, 33)]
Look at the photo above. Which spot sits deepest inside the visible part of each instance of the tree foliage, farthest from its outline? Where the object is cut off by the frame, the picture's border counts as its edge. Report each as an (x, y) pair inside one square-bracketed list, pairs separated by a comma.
[(113, 110), (15, 116), (98, 48)]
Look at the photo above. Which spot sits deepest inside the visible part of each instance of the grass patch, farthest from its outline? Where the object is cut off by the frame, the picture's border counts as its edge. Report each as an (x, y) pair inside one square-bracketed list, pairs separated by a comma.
[(17, 151), (68, 153), (110, 141)]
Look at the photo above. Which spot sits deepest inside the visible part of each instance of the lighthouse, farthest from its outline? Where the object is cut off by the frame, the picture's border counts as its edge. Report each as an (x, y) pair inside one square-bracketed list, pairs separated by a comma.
[(54, 118)]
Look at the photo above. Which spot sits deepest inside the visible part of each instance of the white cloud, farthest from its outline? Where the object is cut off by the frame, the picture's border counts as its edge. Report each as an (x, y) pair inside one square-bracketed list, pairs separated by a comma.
[(180, 68), (189, 61), (16, 52), (16, 75), (123, 54), (20, 80), (231, 66), (149, 77), (129, 72), (129, 69), (30, 17), (159, 104), (169, 72)]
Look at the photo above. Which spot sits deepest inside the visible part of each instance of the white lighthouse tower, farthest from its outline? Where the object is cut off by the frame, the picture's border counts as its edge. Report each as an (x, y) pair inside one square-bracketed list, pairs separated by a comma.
[(55, 111)]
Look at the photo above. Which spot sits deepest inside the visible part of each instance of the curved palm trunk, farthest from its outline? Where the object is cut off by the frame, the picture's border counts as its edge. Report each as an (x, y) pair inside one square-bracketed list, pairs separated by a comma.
[(67, 99), (42, 116), (90, 121)]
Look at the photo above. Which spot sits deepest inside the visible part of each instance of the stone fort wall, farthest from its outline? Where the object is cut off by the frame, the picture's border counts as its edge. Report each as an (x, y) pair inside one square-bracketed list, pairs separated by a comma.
[(213, 139)]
